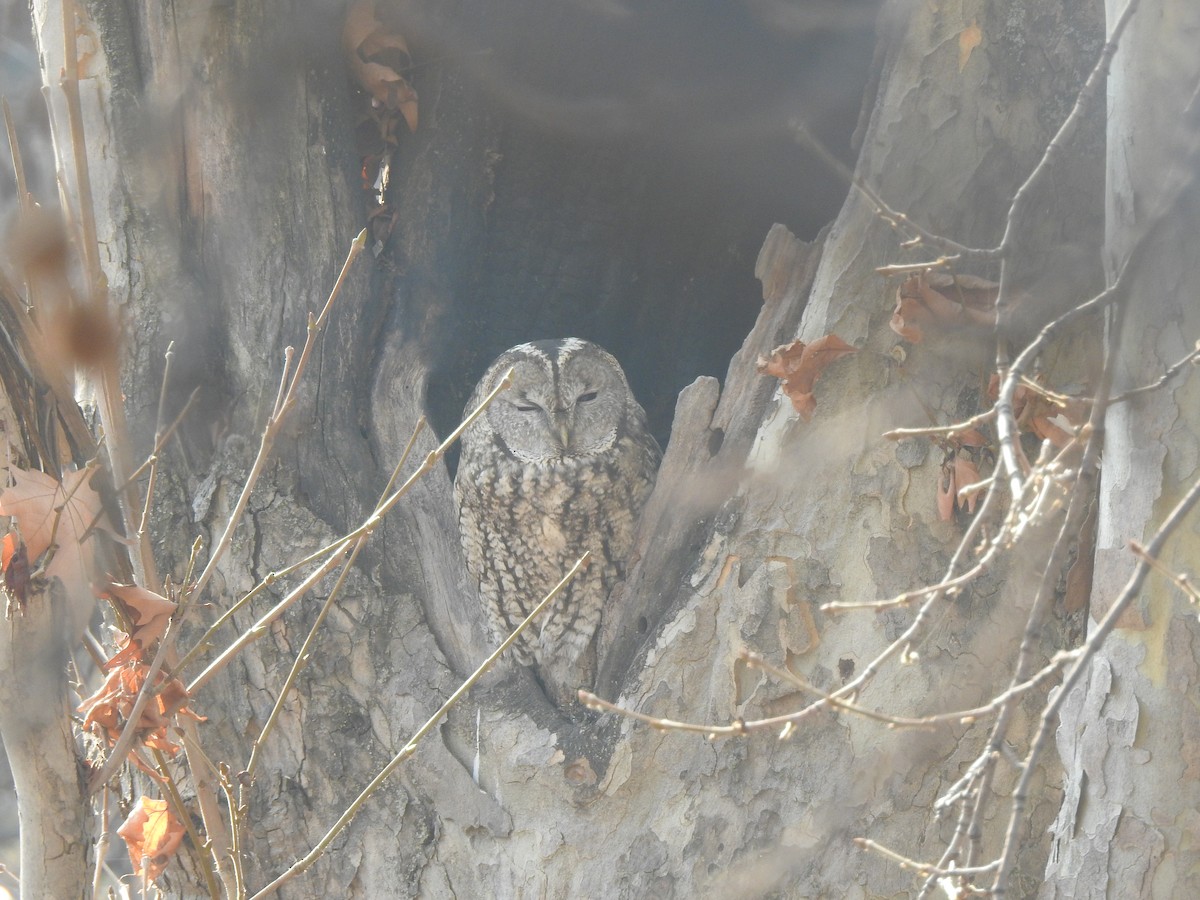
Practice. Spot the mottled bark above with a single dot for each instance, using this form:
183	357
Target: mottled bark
1129	734
227	186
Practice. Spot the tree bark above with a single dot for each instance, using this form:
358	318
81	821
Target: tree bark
227	185
1128	736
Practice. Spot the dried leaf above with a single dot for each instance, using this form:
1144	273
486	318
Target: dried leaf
947	493
941	301
39	246
152	835
82	336
107	710
907	318
968	39
1046	430
971	438
799	365
46	511
966	473
376	56
14	558
148	613
1050	420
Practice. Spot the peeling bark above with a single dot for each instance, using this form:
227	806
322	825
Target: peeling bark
228	195
1128	736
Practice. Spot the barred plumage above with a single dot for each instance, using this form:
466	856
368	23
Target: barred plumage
560	463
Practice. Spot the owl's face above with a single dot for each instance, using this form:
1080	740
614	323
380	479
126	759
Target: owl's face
568	399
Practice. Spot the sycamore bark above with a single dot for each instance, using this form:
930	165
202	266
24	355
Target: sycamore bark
219	138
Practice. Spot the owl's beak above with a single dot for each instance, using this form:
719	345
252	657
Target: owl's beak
562	426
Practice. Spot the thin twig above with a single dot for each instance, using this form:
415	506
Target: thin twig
14	149
259	628
103	841
153	460
941	262
949	586
1181	581
206	853
108	383
148	690
897	434
1131	590
957	717
302	655
283	404
165	436
1024	196
411	747
898	220
236	823
1082	496
922	868
1173	370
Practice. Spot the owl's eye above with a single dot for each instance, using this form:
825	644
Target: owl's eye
526	407
588	397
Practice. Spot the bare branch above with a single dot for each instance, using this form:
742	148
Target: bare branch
283	405
1050	714
410	748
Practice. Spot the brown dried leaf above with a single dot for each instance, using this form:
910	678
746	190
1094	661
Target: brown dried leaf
82	336
970	438
970	290
14	559
152	835
941	301
968	39
908	317
966	473
947	493
107	710
39	246
45	511
799	365
148	613
376	56
1047	430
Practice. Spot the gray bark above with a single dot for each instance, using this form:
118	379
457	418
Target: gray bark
35	721
227	193
1128	736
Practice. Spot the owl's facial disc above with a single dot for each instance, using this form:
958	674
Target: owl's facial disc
561	405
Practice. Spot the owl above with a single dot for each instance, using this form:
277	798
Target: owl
559	463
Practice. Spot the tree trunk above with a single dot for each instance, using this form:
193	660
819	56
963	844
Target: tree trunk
228	189
1128	737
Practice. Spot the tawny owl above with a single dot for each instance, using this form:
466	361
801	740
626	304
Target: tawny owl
561	462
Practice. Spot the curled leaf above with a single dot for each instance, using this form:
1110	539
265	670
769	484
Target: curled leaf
107	710
799	365
148	614
959	485
377	55
1048	429
1048	416
152	835
909	318
14	559
939	301
972	437
63	515
947	492
966	474
968	39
